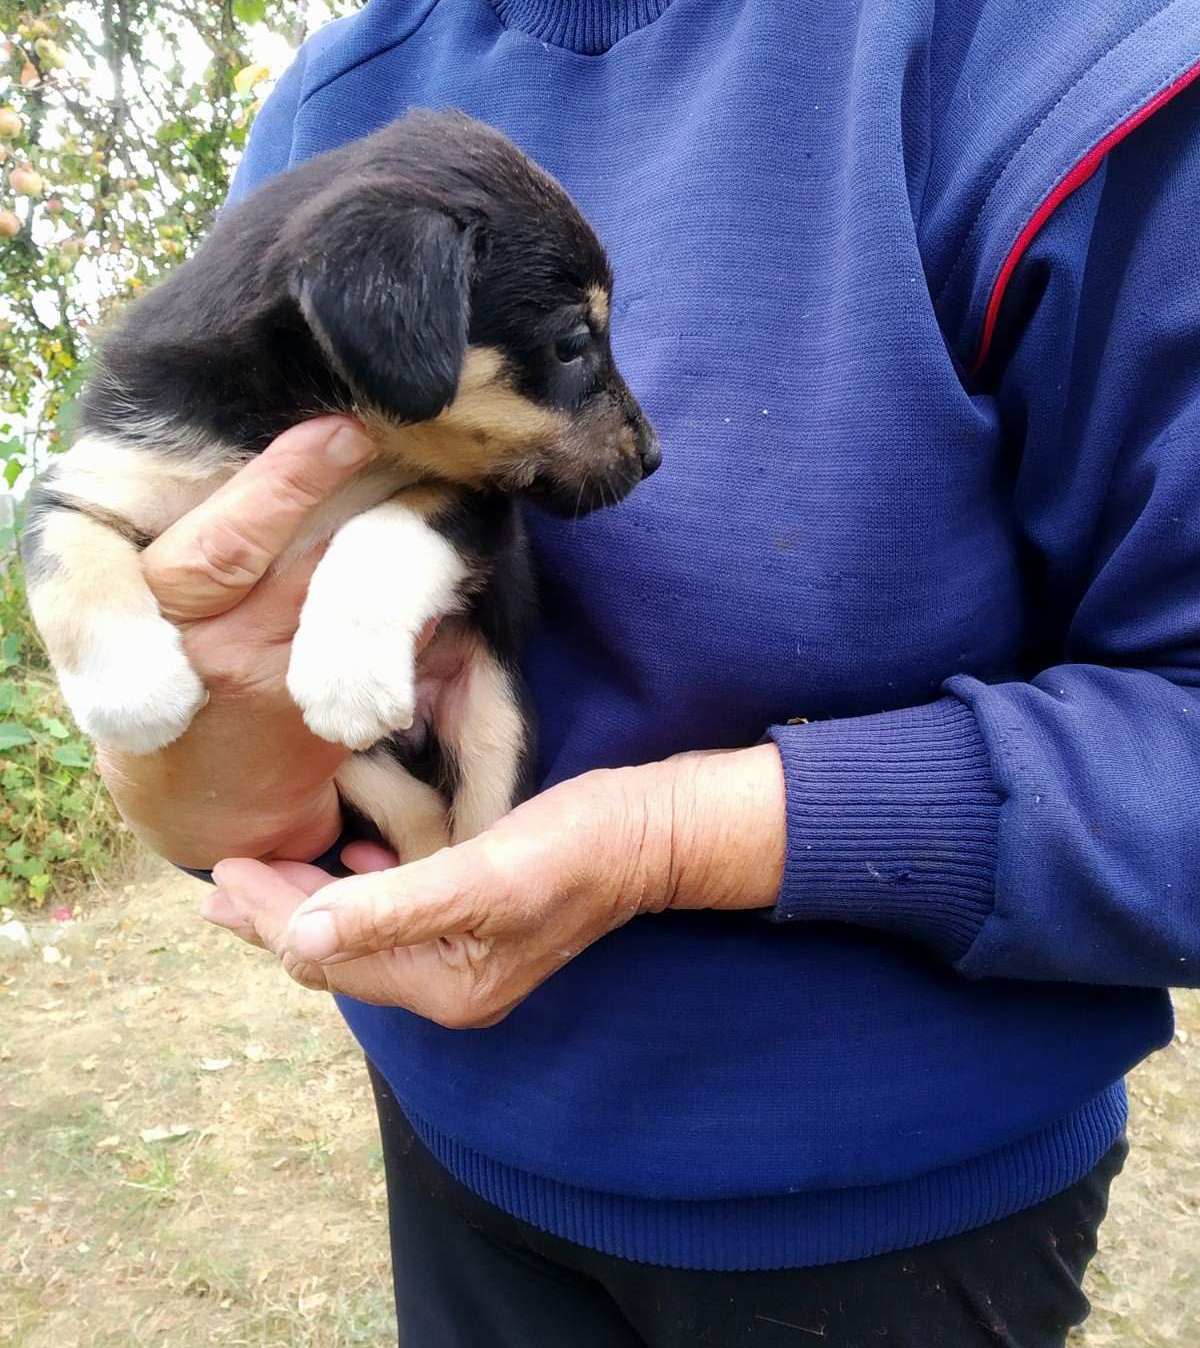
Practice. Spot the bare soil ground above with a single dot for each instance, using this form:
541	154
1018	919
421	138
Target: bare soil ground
188	1153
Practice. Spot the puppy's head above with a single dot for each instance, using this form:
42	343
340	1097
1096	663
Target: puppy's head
464	301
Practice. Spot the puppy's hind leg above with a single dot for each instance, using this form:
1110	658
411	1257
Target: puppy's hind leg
411	815
481	725
121	665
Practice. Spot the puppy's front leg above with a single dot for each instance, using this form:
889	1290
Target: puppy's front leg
386	573
121	665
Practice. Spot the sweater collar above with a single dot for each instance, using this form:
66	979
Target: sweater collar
585	26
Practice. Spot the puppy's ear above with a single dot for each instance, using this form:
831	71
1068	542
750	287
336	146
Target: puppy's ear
387	296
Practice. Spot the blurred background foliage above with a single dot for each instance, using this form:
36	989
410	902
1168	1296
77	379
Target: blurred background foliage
120	124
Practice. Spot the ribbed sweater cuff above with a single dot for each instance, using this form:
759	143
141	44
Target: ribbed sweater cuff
892	824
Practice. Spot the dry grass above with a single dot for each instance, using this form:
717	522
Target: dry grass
262	1225
1145	1282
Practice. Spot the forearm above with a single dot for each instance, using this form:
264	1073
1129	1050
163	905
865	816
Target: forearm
728	828
488	920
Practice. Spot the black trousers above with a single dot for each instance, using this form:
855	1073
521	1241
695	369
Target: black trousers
469	1276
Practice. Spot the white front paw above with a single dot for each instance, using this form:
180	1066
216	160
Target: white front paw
136	691
352	680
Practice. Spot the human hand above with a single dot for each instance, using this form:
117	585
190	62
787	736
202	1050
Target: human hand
464	936
247	776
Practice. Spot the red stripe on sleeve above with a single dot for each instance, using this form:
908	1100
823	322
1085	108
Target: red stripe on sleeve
1075	179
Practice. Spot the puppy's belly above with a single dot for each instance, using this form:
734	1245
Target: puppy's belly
469	733
407	783
443	673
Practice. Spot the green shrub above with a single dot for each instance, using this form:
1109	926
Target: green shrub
58	828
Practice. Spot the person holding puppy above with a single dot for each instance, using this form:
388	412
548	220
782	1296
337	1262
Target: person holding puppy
798	1001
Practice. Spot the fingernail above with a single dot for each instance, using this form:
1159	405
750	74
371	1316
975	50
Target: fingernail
312	936
348	446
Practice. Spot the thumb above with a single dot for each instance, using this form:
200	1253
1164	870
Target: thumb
446	894
210	558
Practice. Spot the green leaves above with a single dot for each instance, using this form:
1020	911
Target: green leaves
13	735
126	193
89	239
250	11
12	455
10	650
57	827
73	756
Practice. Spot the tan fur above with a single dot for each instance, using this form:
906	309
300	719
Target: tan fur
384	481
428	500
122	667
149	490
488	429
485	732
97	580
410	814
598	308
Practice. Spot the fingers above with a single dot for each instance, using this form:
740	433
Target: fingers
212	557
364	857
221	910
305	877
439	896
251	894
256	901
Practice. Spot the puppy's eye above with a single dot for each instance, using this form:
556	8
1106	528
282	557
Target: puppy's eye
569	349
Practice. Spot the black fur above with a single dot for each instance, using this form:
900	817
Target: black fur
356	283
358	278
427	259
487	528
424	756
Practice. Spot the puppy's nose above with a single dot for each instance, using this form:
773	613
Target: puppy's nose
649	451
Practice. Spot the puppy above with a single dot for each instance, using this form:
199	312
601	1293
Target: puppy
434	283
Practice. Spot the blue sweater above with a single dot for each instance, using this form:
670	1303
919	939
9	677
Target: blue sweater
908	289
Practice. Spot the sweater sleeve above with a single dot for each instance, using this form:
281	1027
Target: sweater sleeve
1050	828
269	148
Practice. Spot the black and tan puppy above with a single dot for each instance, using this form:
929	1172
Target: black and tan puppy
434	283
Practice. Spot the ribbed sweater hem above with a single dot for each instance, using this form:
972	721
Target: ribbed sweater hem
801	1229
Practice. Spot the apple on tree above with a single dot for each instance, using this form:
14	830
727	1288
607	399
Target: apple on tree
26	181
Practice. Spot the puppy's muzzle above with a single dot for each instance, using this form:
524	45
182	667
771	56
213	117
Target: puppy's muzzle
645	442
649	451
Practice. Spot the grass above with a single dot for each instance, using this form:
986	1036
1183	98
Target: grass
1145	1283
188	1154
261	1223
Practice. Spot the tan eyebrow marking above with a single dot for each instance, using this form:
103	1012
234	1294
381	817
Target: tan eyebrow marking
598	307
